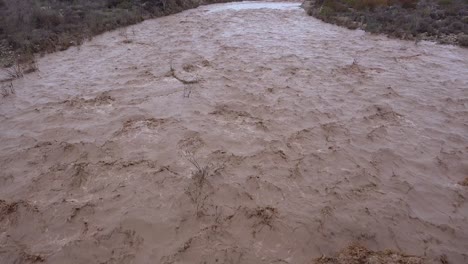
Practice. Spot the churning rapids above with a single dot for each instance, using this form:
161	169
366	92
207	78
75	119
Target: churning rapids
236	133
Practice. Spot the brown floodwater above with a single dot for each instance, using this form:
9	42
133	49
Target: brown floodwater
236	133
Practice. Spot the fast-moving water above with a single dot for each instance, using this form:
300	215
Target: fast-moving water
236	133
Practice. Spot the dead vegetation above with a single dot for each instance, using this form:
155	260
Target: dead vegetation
123	33
356	254
32	258
7	208
78	209
29	27
264	216
80	174
102	99
19	68
14	72
442	20
464	182
174	74
197	190
7	90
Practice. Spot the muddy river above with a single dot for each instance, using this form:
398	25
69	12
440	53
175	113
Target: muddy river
236	133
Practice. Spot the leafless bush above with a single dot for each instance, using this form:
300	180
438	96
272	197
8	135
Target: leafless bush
264	216
198	189
30	66
14	72
7	90
123	33
23	65
199	178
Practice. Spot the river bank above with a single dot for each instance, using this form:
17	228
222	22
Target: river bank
29	28
443	21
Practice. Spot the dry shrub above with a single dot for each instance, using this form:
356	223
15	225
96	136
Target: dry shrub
51	25
23	65
370	4
408	3
442	20
445	2
14	72
464	182
7	90
46	18
199	188
263	215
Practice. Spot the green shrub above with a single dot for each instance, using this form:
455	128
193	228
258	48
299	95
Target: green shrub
409	3
46	18
335	5
369	4
326	11
445	2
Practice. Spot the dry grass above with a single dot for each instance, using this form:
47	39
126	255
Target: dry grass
198	189
442	20
29	27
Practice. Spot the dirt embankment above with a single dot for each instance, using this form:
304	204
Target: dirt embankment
444	21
